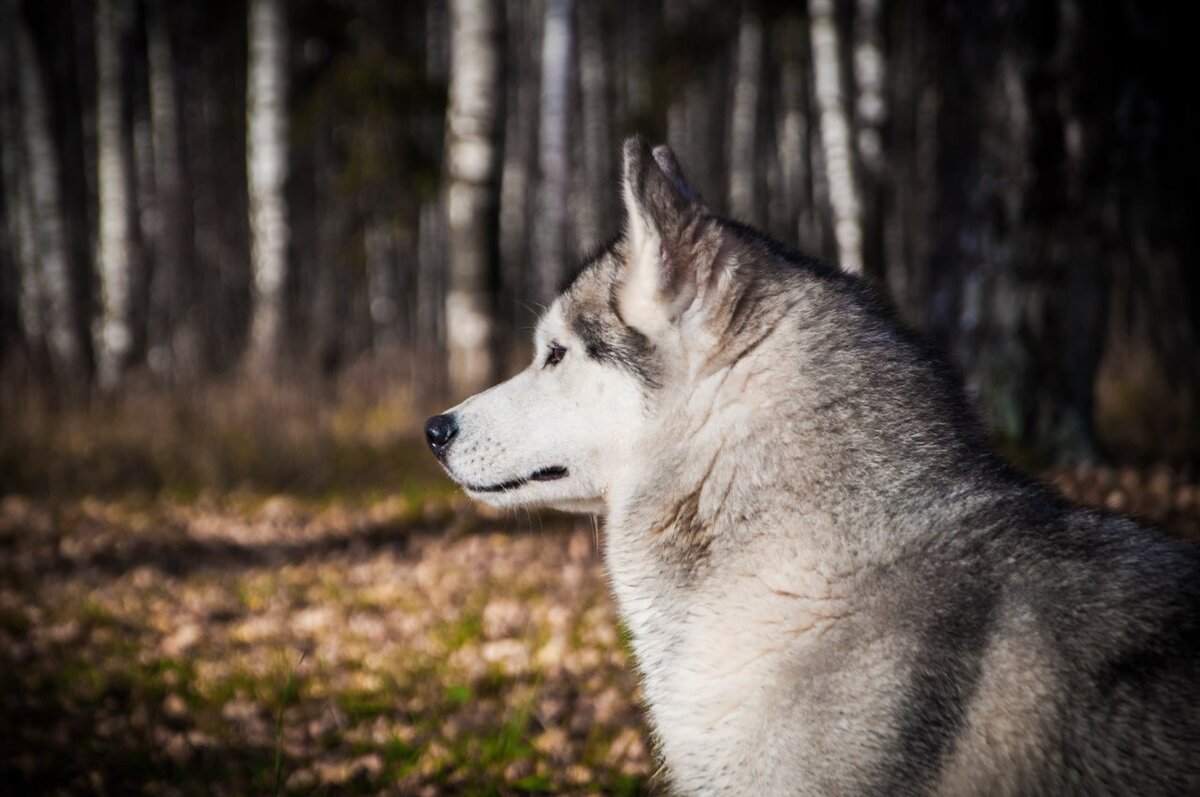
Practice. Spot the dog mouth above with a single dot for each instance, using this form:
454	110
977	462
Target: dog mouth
549	474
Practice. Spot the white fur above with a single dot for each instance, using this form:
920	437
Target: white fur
640	295
724	659
577	414
712	659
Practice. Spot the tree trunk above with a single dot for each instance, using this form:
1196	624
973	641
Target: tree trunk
635	40
119	259
136	88
172	326
519	175
266	164
912	144
870	113
598	181
382	249
697	31
16	232
554	171
21	244
836	136
431	279
65	343
472	154
10	325
795	216
745	198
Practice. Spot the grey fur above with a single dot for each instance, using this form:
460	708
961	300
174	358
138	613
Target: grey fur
833	586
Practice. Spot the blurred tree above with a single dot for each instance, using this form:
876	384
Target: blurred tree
870	114
474	125
120	258
836	134
1025	196
48	280
793	212
745	192
518	197
554	172
16	235
173	330
1018	279
596	178
266	160
23	301
693	88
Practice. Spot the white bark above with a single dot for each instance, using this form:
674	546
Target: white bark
47	213
266	165
553	148
114	332
743	135
871	104
836	140
471	200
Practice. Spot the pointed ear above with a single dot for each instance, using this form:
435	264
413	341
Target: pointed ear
664	217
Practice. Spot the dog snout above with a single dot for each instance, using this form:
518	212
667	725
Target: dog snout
439	432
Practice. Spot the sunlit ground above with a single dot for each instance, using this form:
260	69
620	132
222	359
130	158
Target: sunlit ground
330	641
254	646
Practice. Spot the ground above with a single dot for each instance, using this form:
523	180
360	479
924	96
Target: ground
236	643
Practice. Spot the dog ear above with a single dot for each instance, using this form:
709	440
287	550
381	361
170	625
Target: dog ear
665	223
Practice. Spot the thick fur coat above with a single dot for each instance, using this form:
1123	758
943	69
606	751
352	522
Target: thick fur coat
832	586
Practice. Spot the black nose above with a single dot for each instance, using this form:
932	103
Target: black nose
439	431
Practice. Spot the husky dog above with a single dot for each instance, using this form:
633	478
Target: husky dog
831	585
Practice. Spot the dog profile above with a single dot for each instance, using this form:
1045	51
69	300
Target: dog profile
831	584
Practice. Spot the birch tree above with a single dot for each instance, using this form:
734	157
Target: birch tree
870	113
744	198
871	101
553	149
266	166
836	137
65	343
472	120
119	256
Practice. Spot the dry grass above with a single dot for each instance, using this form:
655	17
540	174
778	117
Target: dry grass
158	647
302	437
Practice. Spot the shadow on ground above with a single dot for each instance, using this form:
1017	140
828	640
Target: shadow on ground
240	644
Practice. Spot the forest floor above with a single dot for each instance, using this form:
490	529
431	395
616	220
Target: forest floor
248	643
261	646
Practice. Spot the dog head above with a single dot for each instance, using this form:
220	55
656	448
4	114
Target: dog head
637	325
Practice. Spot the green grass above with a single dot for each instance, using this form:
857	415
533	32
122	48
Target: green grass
289	694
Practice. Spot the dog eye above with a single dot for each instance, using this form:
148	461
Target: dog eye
555	355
